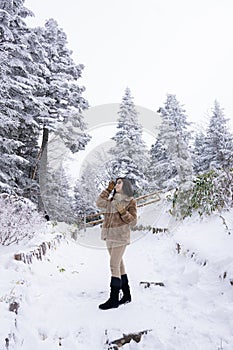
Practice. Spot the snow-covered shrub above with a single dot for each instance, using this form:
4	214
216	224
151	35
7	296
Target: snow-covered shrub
180	199
19	219
212	191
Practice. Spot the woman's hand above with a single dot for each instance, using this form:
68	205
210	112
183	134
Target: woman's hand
121	208
111	186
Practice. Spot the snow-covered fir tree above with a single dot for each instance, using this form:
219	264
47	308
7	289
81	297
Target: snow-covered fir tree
175	137
161	170
57	196
130	155
61	94
39	91
199	163
218	144
19	131
85	194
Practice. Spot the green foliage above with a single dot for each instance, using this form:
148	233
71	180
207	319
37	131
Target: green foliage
180	203
211	191
61	269
205	198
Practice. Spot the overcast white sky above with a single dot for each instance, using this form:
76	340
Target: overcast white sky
155	47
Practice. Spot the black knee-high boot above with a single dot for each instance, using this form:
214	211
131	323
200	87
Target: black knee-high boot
113	301
125	289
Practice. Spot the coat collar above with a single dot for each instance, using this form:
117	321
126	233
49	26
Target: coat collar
118	197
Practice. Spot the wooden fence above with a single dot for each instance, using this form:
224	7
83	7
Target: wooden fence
153	197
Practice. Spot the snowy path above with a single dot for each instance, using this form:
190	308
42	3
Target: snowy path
60	298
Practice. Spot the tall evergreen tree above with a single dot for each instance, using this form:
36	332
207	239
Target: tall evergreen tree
39	91
175	136
199	163
57	196
161	171
60	94
130	155
218	143
19	131
85	194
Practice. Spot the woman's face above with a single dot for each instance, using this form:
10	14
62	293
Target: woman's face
118	186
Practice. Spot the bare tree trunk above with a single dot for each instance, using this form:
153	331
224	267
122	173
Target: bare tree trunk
43	161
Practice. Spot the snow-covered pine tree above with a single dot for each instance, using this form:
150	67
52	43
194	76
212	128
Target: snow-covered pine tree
80	204
161	171
61	94
130	155
218	150
19	131
85	194
199	164
175	136
57	197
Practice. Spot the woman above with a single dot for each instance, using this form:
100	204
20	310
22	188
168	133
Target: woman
120	213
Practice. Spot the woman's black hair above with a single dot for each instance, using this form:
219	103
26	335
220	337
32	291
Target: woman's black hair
127	187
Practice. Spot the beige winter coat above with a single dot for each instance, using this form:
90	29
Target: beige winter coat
116	227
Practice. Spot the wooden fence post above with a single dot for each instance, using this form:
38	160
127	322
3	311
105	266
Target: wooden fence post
85	221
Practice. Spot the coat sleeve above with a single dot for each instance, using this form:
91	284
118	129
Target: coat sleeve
130	217
102	200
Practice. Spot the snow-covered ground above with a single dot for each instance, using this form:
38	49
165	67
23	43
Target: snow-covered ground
59	296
